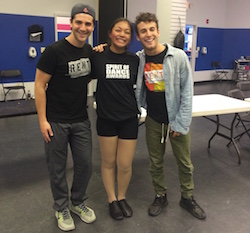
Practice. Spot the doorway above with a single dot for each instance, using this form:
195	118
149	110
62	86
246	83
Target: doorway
190	45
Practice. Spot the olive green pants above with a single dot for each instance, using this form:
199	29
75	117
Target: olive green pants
181	150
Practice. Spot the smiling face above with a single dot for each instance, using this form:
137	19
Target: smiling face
148	34
120	36
81	27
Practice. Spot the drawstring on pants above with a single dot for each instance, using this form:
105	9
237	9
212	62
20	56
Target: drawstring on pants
164	133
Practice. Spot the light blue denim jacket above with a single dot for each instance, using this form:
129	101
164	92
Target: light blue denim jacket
178	88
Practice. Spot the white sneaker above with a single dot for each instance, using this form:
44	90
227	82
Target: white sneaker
64	220
86	214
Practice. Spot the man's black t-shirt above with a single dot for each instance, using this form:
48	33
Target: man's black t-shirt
70	68
154	81
116	74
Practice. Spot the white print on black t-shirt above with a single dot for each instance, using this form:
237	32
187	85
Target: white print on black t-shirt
154	76
117	71
79	68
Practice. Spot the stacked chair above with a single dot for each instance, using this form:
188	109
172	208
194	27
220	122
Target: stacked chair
243	118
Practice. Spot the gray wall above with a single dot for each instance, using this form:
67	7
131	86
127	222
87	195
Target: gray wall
41	7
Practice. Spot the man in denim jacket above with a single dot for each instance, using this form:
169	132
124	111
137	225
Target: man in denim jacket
165	89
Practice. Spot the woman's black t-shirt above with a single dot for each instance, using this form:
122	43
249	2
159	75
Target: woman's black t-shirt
116	74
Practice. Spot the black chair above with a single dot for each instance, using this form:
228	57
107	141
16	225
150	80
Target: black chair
243	118
12	80
220	73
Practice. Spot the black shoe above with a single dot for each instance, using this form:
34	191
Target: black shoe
156	207
115	211
191	205
125	208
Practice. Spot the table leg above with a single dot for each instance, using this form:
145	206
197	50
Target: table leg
231	138
246	130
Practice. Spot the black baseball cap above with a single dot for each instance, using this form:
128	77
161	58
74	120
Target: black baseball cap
81	8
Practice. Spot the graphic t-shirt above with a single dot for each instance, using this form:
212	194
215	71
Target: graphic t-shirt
154	81
116	74
70	68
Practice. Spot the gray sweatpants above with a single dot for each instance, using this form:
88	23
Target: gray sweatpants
78	136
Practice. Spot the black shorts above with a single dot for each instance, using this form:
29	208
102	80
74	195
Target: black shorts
127	129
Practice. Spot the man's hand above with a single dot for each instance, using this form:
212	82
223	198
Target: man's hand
100	48
46	131
175	134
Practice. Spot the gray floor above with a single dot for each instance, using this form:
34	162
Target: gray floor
222	186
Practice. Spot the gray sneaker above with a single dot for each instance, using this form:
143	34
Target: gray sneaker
64	220
86	214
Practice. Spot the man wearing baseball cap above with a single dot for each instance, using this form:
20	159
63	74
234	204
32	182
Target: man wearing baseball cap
62	74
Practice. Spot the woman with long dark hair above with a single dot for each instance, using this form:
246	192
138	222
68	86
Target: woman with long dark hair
117	122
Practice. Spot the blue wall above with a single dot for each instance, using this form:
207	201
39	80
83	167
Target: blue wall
135	45
236	44
224	45
14	42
